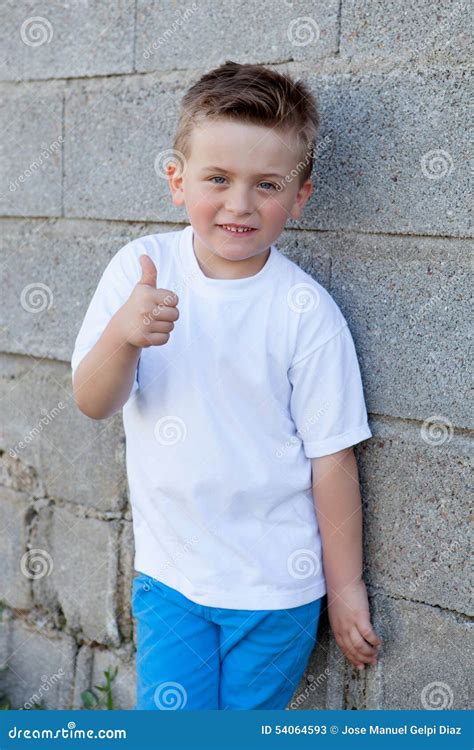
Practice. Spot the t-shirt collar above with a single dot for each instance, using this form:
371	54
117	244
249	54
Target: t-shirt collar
202	284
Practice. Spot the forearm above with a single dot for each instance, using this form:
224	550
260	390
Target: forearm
338	508
104	378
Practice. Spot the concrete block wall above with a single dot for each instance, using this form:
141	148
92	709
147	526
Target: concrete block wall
89	94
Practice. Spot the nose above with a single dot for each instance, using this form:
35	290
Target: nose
239	201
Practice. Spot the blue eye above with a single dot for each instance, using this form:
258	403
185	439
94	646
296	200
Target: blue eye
220	177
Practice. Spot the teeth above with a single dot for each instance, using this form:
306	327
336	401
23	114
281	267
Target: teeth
234	229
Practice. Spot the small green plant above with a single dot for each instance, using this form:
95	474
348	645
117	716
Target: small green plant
92	702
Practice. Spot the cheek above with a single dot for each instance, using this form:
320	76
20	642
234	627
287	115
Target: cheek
201	200
275	211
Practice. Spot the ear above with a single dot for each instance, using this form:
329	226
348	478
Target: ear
300	199
175	183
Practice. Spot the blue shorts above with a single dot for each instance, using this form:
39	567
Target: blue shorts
193	657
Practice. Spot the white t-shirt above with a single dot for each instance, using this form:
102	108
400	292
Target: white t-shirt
259	375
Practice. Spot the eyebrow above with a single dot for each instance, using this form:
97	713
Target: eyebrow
227	171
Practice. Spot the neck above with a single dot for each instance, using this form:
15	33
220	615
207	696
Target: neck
215	267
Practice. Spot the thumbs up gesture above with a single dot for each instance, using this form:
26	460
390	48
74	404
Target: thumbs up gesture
147	318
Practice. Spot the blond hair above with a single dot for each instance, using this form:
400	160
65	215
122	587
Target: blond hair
256	95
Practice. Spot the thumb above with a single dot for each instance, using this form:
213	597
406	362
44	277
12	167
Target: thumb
149	271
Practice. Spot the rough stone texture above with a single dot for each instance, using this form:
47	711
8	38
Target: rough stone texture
31	150
212	32
123	686
407	301
15	588
91	664
42	427
82	676
113	174
63	262
58	40
415	520
378	172
40	666
405	32
126	572
82	575
424	659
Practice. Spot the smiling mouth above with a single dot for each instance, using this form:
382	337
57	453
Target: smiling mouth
237	229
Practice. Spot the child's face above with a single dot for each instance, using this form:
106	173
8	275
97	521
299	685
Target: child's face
231	177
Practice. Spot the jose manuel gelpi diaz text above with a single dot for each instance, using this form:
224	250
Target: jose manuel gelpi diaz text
404	729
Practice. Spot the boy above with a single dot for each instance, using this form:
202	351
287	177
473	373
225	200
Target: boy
240	411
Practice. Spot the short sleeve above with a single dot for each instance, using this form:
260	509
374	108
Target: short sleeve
327	399
113	290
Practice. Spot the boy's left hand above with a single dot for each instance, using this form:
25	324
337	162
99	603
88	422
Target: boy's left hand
348	612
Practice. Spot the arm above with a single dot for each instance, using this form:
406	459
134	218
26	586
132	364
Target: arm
338	508
104	378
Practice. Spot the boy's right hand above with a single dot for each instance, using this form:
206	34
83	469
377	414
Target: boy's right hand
148	316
